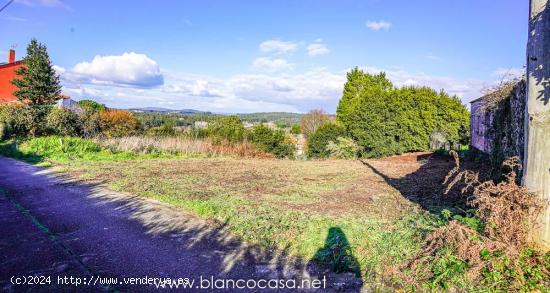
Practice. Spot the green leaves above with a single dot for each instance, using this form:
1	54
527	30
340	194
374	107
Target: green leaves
319	140
385	120
38	83
271	141
226	129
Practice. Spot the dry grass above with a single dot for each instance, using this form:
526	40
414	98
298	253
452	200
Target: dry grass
509	210
181	145
493	255
324	187
495	94
284	203
464	242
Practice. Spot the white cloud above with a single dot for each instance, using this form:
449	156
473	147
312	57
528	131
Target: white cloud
129	69
434	57
410	82
466	89
317	49
278	46
270	91
14	18
271	64
195	86
47	3
378	25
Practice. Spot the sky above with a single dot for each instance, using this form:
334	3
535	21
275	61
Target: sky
266	56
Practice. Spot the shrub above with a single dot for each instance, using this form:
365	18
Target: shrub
319	140
386	120
91	124
55	146
179	145
296	129
167	129
64	122
226	129
343	148
15	120
271	141
509	211
91	106
491	247
312	121
3	131
116	123
38	116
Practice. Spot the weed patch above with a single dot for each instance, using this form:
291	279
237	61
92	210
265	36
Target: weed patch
491	245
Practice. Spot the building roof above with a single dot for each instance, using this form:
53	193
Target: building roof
6	65
478	99
503	90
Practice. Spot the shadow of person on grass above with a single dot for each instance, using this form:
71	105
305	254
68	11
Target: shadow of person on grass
337	255
146	237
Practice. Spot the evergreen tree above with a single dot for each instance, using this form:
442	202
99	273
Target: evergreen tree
385	120
38	83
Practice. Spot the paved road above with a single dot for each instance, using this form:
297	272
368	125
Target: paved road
50	226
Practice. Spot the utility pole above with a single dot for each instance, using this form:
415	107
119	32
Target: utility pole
536	172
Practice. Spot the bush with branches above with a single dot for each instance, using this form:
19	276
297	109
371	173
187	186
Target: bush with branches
312	121
342	148
63	122
498	252
91	106
226	129
271	141
117	123
15	120
296	129
317	143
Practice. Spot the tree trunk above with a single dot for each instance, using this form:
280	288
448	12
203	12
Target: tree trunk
536	176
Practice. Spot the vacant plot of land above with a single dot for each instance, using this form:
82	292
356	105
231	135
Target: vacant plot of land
380	206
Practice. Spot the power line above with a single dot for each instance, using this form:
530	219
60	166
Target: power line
7	4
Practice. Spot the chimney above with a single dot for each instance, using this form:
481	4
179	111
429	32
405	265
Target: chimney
11	56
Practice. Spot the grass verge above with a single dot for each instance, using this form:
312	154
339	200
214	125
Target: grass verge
369	221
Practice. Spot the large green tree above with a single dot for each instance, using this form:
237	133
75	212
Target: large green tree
385	120
38	83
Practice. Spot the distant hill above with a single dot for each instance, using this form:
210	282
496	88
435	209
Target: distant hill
156	116
166	111
283	118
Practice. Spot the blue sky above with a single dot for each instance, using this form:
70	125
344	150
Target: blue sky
248	56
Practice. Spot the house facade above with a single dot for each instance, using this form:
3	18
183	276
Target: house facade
66	102
7	74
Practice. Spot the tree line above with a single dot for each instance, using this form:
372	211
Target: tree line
382	119
374	118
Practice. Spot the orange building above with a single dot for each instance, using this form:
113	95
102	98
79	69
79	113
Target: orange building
7	74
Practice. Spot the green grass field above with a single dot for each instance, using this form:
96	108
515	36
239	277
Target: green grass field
376	205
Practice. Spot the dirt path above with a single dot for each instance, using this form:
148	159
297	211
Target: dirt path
52	227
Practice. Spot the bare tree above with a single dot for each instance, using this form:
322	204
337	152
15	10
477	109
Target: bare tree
536	176
313	120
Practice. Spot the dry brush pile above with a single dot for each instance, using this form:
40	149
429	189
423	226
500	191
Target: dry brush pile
182	145
501	253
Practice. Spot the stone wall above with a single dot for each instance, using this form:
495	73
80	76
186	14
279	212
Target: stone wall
497	127
480	121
